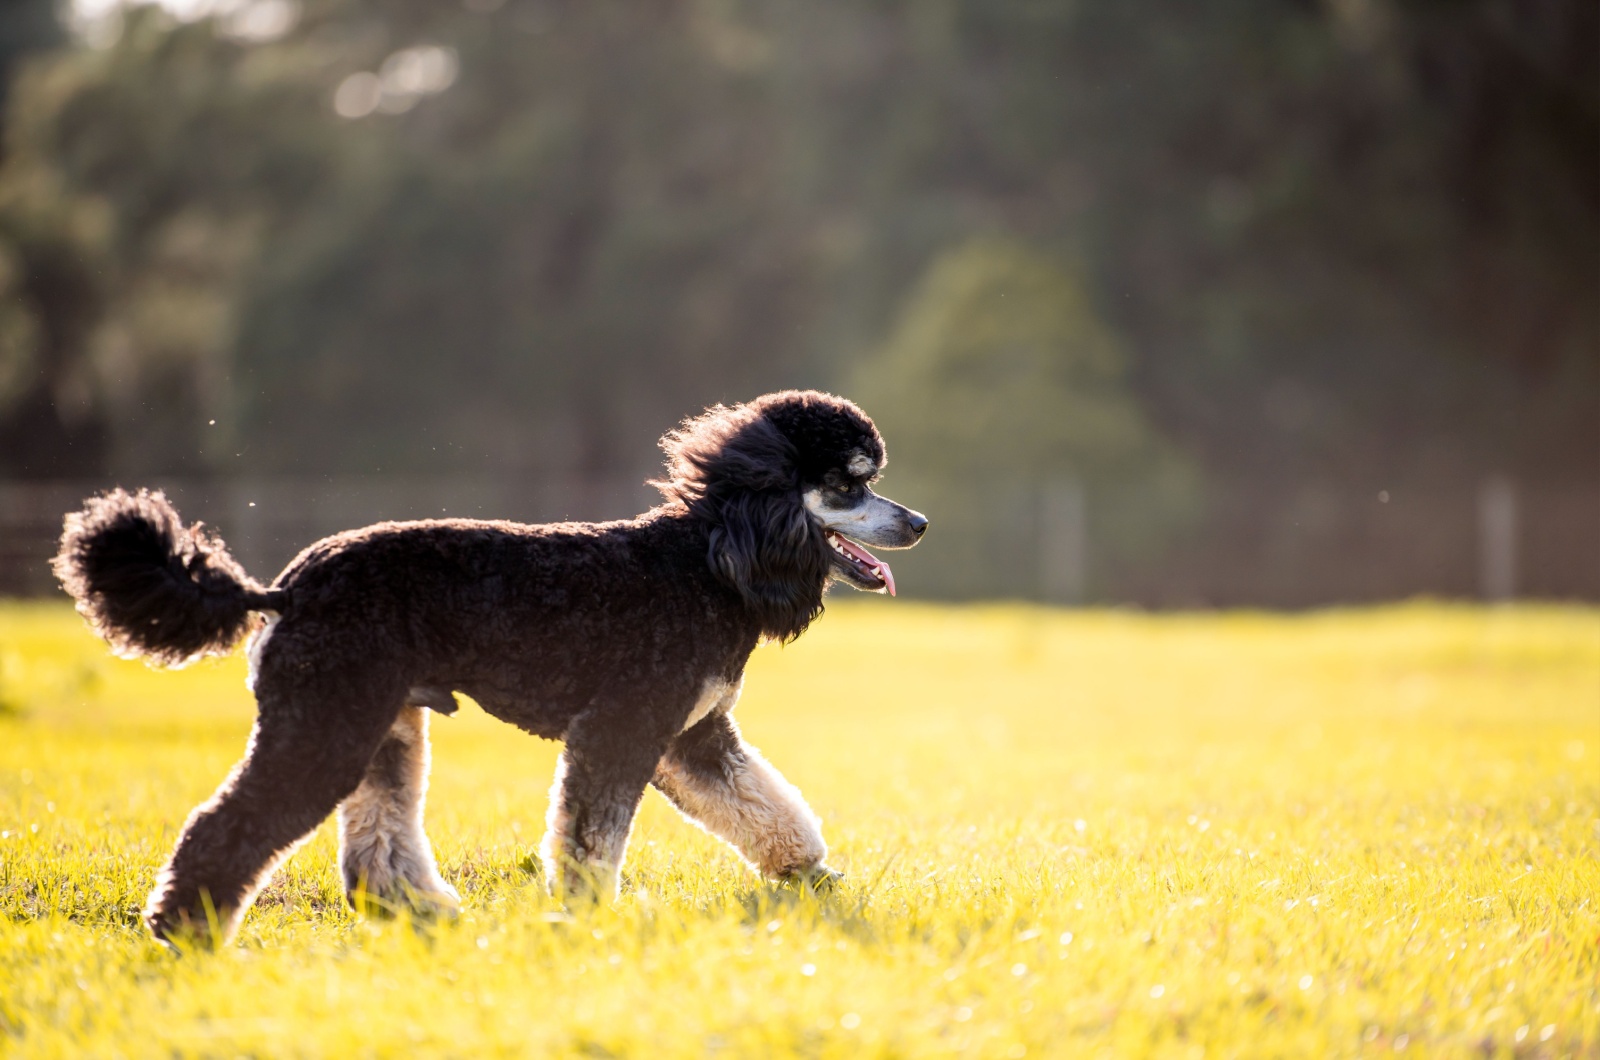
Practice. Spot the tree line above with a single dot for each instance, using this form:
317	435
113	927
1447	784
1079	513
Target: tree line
1155	247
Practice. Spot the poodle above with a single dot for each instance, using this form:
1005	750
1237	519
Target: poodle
625	640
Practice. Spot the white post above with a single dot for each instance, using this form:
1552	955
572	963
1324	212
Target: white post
1063	541
1497	539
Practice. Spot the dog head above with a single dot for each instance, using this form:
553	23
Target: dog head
785	482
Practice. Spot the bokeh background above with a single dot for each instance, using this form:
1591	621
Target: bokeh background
1251	302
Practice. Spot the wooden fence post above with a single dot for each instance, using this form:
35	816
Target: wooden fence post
1063	541
1497	539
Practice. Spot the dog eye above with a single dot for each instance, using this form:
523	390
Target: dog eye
845	487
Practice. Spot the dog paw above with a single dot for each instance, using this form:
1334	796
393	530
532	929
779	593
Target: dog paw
819	879
589	884
180	931
435	901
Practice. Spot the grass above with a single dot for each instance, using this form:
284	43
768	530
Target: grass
1067	834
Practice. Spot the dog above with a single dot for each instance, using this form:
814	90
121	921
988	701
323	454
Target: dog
626	640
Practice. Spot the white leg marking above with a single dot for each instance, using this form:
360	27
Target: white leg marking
716	695
381	841
752	807
553	848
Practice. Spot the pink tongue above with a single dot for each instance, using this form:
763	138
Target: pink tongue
870	560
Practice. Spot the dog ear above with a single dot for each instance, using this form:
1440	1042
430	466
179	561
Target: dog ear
734	469
767	547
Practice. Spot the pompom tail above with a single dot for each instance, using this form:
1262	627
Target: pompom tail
150	586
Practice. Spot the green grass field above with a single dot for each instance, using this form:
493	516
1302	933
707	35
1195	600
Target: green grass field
1067	834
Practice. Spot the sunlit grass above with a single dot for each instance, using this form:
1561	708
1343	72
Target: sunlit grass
1066	834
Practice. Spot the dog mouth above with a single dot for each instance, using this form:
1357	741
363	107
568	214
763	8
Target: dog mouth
867	570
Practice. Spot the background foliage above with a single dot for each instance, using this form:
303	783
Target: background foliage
1262	242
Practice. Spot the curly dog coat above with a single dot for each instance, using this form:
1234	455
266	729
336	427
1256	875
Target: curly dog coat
626	640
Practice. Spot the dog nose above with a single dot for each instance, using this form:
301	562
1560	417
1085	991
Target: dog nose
919	523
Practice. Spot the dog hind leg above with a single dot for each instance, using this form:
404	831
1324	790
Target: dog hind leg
724	785
293	775
383	852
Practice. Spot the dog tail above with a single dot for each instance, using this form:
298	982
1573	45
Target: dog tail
152	587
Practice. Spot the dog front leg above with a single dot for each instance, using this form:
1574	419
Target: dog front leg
726	786
600	779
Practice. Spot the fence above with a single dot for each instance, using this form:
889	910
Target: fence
1318	544
1251	545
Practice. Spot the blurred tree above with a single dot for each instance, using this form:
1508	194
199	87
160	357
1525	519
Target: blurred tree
1000	383
1351	241
542	267
1358	240
178	174
51	424
25	26
48	296
1000	367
